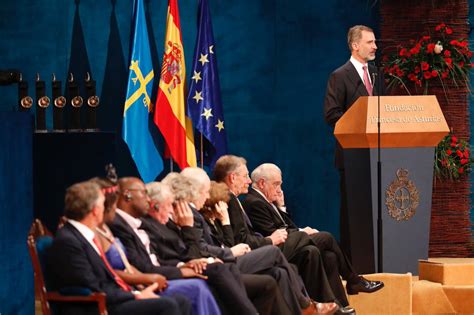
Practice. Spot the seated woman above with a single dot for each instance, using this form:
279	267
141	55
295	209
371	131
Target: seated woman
196	290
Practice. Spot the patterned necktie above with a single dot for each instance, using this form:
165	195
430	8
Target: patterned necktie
367	84
117	279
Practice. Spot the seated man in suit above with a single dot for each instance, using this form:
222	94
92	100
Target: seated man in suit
266	259
266	218
75	260
133	204
176	242
297	247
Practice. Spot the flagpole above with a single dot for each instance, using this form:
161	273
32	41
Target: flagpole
202	153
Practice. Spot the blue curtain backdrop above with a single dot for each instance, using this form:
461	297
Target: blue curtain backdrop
274	60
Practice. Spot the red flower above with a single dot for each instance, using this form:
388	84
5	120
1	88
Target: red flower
424	66
449	152
447	53
438	27
466	154
464	161
429	48
417	69
454	42
403	52
427	75
449	31
434	73
453	144
412	77
449	61
460	170
444	74
454	139
461	64
459	153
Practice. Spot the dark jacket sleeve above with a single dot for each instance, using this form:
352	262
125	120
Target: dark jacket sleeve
69	266
335	100
139	257
227	234
261	216
242	234
206	242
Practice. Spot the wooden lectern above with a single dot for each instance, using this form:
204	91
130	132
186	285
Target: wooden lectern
411	127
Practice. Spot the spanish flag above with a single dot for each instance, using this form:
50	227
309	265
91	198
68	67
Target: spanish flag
170	115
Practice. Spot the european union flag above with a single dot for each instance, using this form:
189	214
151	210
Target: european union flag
135	131
204	103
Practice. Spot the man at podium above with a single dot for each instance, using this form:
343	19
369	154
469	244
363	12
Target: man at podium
345	85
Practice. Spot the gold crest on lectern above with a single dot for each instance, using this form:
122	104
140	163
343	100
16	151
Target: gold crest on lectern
402	197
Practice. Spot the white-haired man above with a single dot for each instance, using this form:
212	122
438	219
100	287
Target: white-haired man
266	217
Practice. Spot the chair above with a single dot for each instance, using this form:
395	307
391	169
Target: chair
39	240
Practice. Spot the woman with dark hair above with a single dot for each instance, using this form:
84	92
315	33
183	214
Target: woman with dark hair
215	213
196	290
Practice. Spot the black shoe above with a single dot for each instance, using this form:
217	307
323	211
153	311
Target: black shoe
345	310
364	285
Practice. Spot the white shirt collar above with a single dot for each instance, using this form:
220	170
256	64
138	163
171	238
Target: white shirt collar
86	232
358	65
261	194
133	222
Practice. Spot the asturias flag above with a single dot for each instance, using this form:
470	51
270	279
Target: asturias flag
204	99
136	131
170	113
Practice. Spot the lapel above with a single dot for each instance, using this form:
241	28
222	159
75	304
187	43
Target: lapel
358	87
138	243
272	211
90	252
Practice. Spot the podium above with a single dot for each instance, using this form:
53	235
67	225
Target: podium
410	129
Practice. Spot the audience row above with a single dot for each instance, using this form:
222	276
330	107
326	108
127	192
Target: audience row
189	245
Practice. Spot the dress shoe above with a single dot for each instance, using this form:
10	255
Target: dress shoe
364	285
316	308
345	310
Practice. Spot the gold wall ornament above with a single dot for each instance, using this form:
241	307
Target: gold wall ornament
60	102
44	101
77	101
402	197
93	101
26	102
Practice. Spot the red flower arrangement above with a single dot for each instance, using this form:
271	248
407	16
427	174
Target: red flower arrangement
453	158
432	57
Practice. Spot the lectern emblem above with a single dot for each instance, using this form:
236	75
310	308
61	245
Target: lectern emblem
402	197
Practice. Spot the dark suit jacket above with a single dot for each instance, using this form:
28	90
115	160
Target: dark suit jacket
264	218
172	244
136	251
73	262
206	243
243	233
344	87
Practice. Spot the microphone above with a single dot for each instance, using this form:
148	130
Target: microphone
374	76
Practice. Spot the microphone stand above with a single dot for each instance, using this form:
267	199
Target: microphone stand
379	177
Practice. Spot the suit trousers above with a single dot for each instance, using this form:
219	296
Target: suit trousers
175	305
311	269
269	260
226	282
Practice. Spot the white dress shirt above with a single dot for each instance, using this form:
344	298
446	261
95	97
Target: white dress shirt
86	232
142	234
358	65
